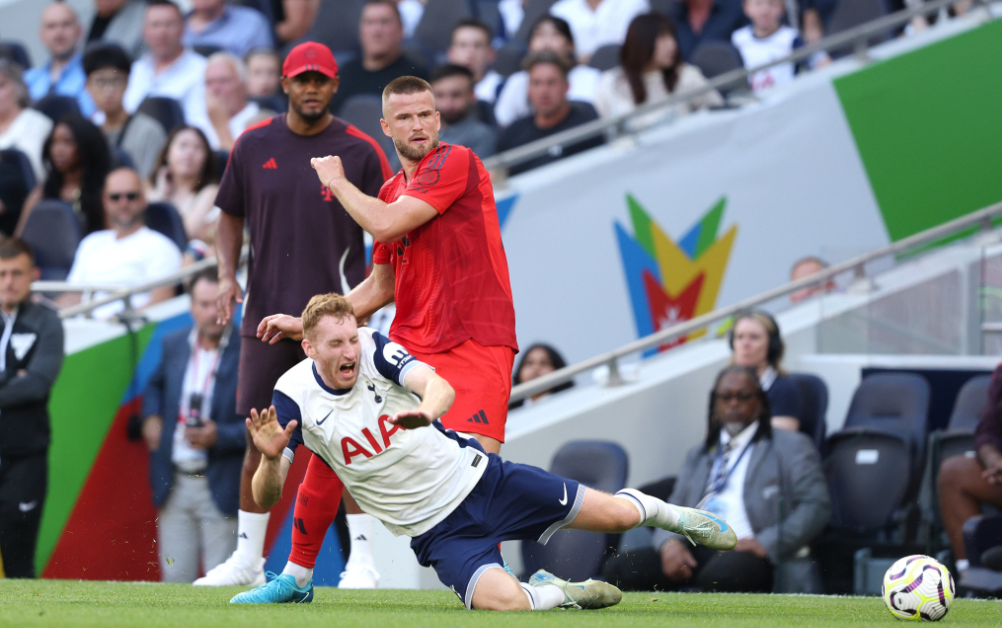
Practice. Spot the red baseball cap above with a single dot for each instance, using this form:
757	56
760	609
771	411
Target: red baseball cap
310	57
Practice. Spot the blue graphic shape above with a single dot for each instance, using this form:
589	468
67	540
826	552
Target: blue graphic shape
635	261
690	240
504	207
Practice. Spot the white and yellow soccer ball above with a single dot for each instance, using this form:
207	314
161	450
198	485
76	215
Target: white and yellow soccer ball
918	588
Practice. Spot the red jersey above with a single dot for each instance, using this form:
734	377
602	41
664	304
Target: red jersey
451	273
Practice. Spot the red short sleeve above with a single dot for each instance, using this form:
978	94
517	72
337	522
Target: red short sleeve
380	253
442	179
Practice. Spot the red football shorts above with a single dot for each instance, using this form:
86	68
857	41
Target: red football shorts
481	377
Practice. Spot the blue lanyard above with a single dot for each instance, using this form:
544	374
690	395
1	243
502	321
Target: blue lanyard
720	473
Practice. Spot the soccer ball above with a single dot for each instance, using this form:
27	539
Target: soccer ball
918	588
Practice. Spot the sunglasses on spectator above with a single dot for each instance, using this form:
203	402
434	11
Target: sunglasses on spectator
117	196
742	396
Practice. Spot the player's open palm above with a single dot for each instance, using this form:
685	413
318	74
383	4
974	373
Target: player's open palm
269	437
277	326
411	419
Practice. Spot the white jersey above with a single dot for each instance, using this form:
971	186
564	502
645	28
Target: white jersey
408	479
758	51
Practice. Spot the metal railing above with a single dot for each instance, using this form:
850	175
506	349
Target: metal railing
858	39
981	218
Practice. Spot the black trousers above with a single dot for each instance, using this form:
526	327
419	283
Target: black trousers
725	572
23	482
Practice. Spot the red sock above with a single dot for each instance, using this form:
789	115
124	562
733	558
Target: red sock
316	506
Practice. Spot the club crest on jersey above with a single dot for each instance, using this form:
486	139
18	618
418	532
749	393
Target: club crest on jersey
351	448
372	389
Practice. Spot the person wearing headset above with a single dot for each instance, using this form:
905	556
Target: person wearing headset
767	484
756	343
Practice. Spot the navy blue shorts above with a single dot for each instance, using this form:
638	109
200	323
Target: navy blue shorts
510	502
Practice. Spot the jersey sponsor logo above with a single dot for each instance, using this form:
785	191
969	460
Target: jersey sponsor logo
563	502
673	281
321	421
479	417
270	164
396	355
351	448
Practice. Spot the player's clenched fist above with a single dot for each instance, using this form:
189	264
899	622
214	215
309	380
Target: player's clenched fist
328	168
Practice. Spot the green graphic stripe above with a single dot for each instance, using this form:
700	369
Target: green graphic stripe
929	131
84	402
708	227
641	225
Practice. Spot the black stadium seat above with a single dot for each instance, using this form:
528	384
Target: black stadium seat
55	106
336	26
605	58
814	395
509	58
365	111
164	218
714	58
53	233
576	554
534	11
166	111
15	52
434	31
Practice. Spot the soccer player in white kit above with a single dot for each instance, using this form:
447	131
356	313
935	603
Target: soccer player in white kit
368	409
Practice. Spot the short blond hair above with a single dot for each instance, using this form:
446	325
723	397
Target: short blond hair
331	304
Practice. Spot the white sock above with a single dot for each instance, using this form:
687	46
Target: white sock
360	528
251	529
543	597
300	573
653	511
963	564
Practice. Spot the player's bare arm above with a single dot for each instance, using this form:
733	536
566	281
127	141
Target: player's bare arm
229	239
367	297
386	222
271	440
436	398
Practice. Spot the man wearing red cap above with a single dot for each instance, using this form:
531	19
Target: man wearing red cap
303	243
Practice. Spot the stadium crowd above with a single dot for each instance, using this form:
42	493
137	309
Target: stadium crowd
123	136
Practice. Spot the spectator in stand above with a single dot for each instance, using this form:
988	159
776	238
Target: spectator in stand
128	253
20	127
651	70
381	35
549	33
548	89
767	484
235	29
705	20
756	343
764	40
169	69
966	484
77	161
14	190
597	23
471	48
805	267
292	18
264	73
195	463
227	107
119	22
137	135
185	177
538	360
456	103
32	356
63	75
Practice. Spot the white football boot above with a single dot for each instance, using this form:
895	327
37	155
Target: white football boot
359	576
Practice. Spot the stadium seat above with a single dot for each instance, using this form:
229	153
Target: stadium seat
16	53
365	111
714	58
11	154
121	159
981	534
53	233
336	26
509	58
435	28
814	395
575	554
55	106
222	158
849	14
869	475
605	58
534	10
165	219
489	14
166	111
272	103
206	50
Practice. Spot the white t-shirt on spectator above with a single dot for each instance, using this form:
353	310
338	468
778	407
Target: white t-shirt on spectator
593	29
487	89
512	13
513	101
237	124
27	134
411	12
104	259
756	51
183	80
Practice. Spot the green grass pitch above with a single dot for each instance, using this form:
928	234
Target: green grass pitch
27	604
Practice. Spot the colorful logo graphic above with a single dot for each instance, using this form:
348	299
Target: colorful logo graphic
670	281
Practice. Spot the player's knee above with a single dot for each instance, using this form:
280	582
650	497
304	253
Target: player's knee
498	591
957	471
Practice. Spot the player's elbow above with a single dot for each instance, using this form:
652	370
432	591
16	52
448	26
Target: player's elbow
387	232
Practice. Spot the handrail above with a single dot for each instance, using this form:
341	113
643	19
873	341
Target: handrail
982	218
858	37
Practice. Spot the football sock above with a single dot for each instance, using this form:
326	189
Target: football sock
543	597
316	506
303	575
251	530
360	527
653	511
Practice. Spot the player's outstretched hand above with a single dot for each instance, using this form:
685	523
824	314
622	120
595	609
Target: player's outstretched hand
328	168
277	326
411	419
269	437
